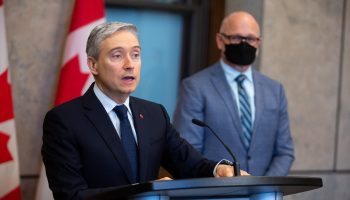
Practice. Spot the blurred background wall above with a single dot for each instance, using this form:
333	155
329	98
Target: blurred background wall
306	46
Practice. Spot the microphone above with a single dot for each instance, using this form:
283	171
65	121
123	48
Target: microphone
235	162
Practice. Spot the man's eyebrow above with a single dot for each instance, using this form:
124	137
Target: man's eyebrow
136	47
116	48
122	48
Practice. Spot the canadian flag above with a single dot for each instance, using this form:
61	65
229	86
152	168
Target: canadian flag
9	172
74	78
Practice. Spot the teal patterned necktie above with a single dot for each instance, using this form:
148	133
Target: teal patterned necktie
246	114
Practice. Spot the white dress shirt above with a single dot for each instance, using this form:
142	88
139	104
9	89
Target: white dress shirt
109	104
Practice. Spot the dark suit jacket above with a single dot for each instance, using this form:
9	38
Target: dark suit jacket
82	151
207	96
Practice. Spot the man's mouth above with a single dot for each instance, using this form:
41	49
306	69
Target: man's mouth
128	78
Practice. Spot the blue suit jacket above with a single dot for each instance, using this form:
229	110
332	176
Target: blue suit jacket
83	155
207	96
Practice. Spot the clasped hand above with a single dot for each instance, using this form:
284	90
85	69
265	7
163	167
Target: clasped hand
221	171
227	171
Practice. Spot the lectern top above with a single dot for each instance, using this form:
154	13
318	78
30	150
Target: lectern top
242	186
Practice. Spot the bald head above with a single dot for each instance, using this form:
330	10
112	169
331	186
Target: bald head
236	28
240	23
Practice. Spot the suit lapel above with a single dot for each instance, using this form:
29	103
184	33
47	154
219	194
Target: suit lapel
100	119
218	79
259	102
139	117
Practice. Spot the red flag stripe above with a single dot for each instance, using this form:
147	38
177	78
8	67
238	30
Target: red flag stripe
86	12
71	82
12	195
9	173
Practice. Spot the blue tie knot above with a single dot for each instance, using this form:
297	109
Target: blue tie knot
240	78
121	111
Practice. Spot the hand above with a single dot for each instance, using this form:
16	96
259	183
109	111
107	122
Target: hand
165	179
227	171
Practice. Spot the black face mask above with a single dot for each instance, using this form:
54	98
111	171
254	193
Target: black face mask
240	54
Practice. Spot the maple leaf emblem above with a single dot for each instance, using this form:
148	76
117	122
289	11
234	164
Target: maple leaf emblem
5	155
6	105
71	81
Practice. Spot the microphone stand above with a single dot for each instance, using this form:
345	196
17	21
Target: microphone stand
236	169
235	162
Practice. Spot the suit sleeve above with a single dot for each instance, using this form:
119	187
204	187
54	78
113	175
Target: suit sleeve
284	152
190	105
180	158
61	157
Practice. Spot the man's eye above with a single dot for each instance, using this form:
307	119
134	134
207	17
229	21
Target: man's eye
116	56
135	55
250	39
236	38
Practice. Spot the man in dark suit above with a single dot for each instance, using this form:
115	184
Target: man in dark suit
84	142
246	108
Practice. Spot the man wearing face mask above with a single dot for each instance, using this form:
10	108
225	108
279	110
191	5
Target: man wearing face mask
244	107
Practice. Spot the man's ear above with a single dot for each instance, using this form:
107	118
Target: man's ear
92	63
219	42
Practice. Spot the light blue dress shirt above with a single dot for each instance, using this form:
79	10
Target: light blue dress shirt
248	84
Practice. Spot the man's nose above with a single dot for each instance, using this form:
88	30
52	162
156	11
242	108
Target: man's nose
127	63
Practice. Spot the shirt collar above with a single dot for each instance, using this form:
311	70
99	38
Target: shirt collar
107	102
231	73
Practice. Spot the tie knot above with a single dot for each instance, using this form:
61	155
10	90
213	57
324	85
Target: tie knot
239	79
121	111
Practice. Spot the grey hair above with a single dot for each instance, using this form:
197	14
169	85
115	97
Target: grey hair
103	31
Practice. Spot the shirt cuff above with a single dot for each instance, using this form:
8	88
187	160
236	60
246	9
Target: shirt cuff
222	162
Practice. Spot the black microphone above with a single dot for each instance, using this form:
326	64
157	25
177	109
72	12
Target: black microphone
235	162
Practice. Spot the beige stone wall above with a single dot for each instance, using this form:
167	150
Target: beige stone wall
343	158
302	48
306	46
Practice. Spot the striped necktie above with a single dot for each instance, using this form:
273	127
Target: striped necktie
246	114
128	140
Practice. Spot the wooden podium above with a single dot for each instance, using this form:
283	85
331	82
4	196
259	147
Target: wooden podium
242	187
